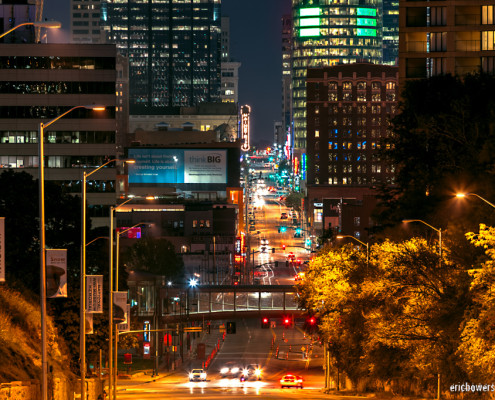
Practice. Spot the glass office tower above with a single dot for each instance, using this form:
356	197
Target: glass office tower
173	48
326	33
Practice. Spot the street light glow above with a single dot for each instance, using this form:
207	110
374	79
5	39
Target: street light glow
193	282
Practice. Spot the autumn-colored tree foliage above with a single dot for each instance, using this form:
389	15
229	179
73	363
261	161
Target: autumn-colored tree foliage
395	320
477	348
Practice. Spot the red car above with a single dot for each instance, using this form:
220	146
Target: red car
290	380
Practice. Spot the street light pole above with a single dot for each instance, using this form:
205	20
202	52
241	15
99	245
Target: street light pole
44	24
363	243
461	195
439	230
115	374
41	162
82	328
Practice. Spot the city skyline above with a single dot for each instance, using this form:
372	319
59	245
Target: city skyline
260	73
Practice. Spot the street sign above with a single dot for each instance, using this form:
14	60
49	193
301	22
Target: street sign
193	329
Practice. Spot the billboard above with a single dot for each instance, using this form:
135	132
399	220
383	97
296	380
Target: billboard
177	166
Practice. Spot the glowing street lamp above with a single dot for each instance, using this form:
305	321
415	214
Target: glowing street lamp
41	24
462	195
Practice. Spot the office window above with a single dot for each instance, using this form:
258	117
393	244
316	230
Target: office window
487	40
487	15
438	41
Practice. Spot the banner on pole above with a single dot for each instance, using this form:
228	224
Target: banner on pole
126	325
94	293
2	249
89	324
119	307
56	273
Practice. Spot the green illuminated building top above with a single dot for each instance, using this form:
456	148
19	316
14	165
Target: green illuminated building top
326	33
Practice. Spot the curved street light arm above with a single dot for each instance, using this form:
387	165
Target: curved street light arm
419	220
481	198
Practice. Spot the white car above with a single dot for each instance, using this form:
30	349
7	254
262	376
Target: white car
197	375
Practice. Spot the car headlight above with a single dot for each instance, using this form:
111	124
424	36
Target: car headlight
245	372
191	376
203	375
224	370
257	372
234	370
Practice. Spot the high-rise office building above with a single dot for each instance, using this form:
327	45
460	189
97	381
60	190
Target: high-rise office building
229	68
438	37
173	47
85	21
39	82
390	32
286	80
13	13
328	33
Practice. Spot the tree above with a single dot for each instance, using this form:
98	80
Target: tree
442	141
156	256
294	200
477	347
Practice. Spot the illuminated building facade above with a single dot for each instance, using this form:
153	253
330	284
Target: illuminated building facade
348	108
390	32
286	79
229	68
39	82
438	37
85	21
326	33
173	47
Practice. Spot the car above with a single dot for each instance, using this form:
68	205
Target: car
290	380
264	241
197	374
299	276
263	249
252	371
291	256
252	228
230	370
283	216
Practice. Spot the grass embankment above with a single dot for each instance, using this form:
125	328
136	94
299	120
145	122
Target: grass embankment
20	339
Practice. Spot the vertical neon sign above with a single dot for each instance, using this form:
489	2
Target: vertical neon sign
245	112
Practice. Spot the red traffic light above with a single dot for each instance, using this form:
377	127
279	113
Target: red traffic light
286	320
265	320
312	320
283	246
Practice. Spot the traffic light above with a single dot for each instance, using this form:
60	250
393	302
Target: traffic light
283	246
230	327
286	321
265	323
283	229
298	231
273	249
312	321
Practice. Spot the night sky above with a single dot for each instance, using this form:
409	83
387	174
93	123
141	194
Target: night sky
255	35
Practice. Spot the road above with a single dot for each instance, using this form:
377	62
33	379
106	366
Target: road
249	345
